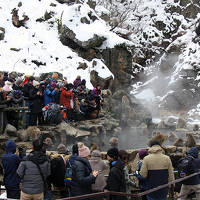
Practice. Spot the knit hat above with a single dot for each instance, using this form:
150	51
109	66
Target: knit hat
18	81
84	151
7	88
113	153
61	149
35	83
142	153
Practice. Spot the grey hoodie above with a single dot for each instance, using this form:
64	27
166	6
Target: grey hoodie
98	164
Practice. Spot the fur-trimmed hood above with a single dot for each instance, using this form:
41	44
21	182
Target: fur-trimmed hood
155	149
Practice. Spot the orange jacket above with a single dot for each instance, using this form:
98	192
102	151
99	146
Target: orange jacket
65	97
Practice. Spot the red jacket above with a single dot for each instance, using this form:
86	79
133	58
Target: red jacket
65	97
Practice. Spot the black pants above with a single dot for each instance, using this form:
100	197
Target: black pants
34	117
13	192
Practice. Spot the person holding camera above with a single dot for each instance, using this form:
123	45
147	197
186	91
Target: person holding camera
36	104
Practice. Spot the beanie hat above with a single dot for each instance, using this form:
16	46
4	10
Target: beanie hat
7	88
18	81
142	153
84	151
53	84
113	153
61	149
35	83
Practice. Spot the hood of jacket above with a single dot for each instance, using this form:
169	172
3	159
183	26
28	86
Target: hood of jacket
193	151
85	162
119	164
155	149
95	156
10	146
37	156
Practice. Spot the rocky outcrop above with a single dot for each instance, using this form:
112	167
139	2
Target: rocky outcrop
119	62
2	33
68	38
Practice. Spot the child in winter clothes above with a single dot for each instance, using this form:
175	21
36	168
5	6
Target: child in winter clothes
142	181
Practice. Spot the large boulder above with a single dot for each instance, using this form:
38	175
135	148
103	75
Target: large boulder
11	131
71	131
119	62
68	38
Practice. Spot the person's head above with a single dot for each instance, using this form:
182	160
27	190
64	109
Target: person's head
37	145
154	143
142	153
112	154
53	84
19	82
78	77
84	152
7	87
10	146
31	79
193	151
61	149
36	84
123	156
55	76
98	87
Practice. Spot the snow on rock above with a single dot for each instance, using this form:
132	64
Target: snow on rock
39	40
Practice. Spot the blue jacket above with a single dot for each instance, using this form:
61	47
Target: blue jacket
49	96
193	151
10	162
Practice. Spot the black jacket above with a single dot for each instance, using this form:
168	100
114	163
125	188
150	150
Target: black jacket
116	179
82	179
57	172
36	101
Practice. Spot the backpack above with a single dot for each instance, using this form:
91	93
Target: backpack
185	166
68	174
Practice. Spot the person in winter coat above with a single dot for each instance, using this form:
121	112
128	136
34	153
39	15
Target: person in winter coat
18	85
10	162
58	168
33	186
16	100
99	165
36	104
123	156
116	178
82	177
50	93
193	183
77	81
158	170
142	181
66	99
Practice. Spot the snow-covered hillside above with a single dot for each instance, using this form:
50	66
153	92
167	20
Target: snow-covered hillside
161	35
36	48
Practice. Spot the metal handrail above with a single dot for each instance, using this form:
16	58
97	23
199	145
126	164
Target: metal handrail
134	195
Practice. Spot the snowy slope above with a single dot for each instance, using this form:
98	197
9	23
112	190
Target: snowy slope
39	41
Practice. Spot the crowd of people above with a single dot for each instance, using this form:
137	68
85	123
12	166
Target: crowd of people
43	176
49	101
